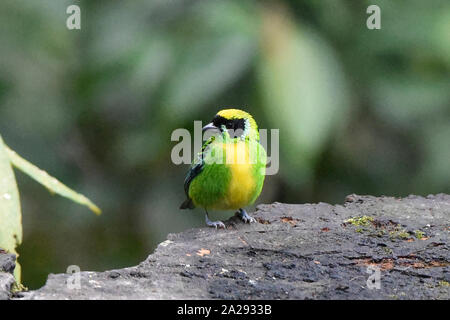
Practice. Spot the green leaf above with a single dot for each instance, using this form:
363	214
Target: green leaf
10	213
51	183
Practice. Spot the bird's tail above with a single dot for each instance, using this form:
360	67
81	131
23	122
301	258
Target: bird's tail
187	204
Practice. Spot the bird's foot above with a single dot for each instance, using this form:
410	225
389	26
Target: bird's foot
214	224
245	217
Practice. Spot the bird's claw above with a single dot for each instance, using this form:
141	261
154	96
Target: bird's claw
248	220
216	224
213	224
245	217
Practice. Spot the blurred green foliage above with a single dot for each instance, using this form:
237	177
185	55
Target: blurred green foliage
10	210
359	111
10	214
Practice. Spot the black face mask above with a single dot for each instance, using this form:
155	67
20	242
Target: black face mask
235	127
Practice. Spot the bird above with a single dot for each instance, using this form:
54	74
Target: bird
229	172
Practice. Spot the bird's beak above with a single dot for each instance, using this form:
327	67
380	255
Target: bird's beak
209	126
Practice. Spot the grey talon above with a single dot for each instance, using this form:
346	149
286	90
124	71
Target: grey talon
214	224
245	217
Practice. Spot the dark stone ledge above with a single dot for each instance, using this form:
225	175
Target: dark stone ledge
295	251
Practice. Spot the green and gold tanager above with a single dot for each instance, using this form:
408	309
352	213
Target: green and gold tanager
229	172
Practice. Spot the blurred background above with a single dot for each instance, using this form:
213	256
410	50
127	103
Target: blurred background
359	111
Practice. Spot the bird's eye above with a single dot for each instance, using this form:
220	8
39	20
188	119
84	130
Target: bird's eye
229	125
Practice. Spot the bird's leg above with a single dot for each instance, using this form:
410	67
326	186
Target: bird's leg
245	217
214	224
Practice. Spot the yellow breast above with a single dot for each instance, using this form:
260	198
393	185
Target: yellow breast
242	184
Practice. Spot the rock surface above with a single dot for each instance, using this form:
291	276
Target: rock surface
308	251
7	265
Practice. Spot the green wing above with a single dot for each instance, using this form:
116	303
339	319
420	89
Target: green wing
196	168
